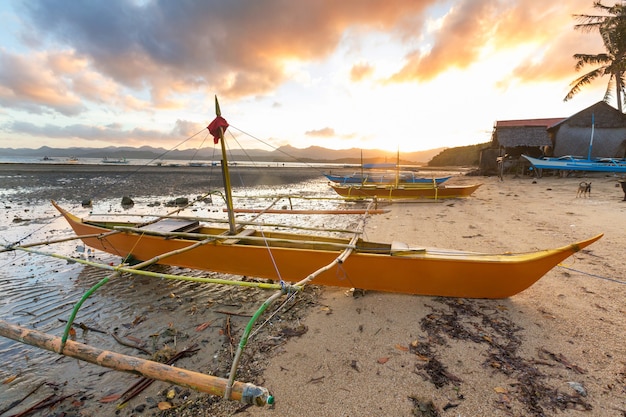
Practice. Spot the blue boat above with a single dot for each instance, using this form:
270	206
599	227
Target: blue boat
408	177
579	163
572	163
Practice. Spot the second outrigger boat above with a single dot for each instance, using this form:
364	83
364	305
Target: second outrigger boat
289	257
403	191
407	177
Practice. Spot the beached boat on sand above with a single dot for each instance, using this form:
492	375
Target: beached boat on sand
403	191
392	267
290	257
579	163
572	163
408	177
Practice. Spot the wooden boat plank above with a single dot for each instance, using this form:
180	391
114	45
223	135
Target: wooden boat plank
172	225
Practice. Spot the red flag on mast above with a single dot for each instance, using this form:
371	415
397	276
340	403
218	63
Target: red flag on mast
214	128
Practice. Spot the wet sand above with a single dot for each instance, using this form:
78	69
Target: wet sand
555	349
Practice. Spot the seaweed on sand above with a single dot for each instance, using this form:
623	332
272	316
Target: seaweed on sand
482	322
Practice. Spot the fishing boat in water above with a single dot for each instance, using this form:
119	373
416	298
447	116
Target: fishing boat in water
107	160
337	261
403	191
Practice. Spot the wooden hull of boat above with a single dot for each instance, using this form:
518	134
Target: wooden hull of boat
383	179
404	192
371	266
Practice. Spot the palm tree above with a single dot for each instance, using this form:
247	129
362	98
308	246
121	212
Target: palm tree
612	28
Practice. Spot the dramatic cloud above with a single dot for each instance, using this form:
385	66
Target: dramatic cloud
235	48
112	134
57	82
33	86
84	63
472	29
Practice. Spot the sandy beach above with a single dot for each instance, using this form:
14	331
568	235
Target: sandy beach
555	349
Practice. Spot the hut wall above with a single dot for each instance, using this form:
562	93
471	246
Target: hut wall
607	142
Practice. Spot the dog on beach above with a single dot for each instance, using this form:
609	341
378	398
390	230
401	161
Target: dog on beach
584	189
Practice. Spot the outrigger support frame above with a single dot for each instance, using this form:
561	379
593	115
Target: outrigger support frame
244	392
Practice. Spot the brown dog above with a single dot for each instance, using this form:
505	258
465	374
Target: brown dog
584	189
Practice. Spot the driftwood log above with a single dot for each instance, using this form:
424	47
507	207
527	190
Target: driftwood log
243	392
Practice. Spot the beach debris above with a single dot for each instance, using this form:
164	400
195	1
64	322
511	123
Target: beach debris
127	201
164	405
131	345
19	401
316	380
355	292
562	360
354	364
49	401
424	408
143	383
295	331
177	202
83	326
204	325
578	387
86	203
10	379
449	406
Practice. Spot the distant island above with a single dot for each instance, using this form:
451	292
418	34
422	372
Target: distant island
282	154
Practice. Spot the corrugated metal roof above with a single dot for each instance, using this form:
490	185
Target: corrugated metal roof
530	122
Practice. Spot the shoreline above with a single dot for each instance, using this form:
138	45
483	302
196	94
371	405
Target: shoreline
377	353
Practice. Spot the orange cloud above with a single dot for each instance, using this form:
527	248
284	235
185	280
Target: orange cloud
470	28
325	132
361	71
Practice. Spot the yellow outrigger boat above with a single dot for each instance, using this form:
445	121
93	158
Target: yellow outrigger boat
404	191
394	267
290	257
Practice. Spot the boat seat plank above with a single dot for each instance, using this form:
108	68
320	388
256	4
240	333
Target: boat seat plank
401	248
173	226
235	238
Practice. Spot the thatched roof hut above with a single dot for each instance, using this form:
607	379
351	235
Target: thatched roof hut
530	133
572	136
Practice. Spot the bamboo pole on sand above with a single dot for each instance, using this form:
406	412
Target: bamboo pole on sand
244	392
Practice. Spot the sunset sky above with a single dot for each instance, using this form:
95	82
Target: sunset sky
394	74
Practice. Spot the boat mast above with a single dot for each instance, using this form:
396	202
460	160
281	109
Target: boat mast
398	167
591	140
226	175
362	177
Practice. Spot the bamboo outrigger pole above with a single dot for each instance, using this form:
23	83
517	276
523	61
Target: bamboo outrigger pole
244	392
